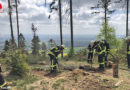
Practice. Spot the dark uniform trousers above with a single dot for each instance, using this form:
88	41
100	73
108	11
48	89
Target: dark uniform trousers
90	56
128	54
53	63
128	60
3	85
106	59
101	58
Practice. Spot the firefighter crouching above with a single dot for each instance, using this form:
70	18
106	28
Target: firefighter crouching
54	52
128	51
90	52
3	85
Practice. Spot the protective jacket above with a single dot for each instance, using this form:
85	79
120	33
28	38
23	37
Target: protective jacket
128	54
101	48
128	48
55	51
90	49
2	81
107	46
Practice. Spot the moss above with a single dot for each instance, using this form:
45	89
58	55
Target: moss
58	83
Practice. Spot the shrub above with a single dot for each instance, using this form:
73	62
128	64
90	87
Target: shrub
19	67
34	59
71	53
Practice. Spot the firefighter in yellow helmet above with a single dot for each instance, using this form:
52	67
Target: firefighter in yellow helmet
53	53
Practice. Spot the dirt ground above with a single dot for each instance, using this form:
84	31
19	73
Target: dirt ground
79	79
70	80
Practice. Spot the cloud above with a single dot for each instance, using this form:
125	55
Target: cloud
34	11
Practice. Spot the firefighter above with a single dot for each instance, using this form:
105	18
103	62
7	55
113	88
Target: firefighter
90	52
54	52
101	54
128	51
95	45
107	51
3	85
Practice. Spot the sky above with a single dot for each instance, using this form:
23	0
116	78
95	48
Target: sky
85	23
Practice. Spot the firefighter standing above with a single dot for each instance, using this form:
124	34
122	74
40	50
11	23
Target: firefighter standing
128	51
54	52
3	85
101	55
90	52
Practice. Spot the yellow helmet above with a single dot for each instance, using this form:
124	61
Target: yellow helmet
63	46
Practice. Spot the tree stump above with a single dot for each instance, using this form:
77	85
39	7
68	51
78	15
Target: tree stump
109	64
115	70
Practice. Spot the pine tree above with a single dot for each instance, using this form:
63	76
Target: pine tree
35	41
111	35
21	41
6	46
51	43
43	46
12	45
35	45
105	4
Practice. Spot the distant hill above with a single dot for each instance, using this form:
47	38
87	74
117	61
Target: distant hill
79	40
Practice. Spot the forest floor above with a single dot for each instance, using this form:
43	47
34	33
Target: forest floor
76	79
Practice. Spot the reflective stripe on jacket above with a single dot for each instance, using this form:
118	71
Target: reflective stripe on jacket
102	63
128	52
3	85
102	51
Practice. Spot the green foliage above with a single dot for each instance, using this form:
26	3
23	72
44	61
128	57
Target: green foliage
58	83
35	41
79	55
116	56
12	45
6	46
71	53
32	88
44	48
110	37
75	78
20	82
123	46
44	83
18	64
51	43
34	59
35	45
21	41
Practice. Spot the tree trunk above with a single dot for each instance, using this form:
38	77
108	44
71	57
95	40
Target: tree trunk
105	22
60	19
10	17
71	24
115	70
17	17
127	18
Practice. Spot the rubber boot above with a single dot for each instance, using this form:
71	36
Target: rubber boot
105	64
